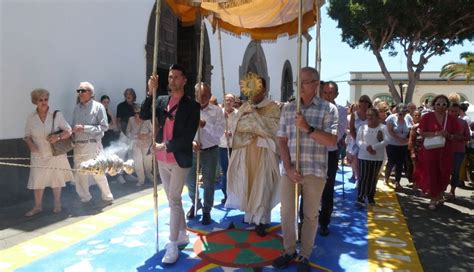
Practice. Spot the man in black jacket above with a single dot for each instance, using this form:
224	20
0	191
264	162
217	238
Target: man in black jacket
177	119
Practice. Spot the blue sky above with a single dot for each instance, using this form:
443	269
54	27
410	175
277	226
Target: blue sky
338	59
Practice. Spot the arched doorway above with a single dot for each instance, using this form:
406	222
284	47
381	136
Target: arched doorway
286	82
254	61
177	44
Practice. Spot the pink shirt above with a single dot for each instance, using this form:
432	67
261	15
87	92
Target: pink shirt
162	155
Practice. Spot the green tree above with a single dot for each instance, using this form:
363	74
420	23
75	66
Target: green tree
457	69
422	29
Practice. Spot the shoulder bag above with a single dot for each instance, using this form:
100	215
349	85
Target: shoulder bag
61	146
436	141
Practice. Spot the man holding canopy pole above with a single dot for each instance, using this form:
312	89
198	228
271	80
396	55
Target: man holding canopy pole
178	119
317	123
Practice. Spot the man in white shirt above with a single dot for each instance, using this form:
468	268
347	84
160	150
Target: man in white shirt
329	91
206	141
225	146
89	124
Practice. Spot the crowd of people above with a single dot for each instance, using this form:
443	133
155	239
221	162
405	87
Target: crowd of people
254	144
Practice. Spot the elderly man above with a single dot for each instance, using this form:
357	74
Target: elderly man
329	91
206	141
253	173
225	146
178	119
317	123
89	124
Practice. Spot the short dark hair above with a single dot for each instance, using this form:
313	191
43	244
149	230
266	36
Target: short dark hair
464	106
334	84
439	97
102	98
179	68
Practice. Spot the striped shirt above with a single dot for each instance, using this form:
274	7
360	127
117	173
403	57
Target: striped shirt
94	118
321	115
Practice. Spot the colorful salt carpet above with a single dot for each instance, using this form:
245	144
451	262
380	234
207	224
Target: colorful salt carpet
123	238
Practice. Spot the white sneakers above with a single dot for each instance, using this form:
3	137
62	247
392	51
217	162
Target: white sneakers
171	254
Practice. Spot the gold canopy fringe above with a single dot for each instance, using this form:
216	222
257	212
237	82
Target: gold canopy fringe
233	3
267	33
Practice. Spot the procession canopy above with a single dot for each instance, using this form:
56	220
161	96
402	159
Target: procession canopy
260	19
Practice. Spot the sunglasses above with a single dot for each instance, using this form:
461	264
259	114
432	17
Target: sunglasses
82	91
137	112
364	101
441	104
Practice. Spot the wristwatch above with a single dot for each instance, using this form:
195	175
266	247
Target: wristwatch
311	130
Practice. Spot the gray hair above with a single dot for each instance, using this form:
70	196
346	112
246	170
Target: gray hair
312	71
37	93
88	86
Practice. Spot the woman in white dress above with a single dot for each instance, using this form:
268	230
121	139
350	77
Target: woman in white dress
140	132
38	128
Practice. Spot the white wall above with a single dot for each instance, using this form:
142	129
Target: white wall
55	44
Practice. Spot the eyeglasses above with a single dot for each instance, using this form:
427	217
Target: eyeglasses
82	91
137	112
441	104
305	82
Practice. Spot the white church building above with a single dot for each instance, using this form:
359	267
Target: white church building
56	44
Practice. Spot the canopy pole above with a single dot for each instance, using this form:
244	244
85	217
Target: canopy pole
298	110
199	80
153	113
318	38
223	89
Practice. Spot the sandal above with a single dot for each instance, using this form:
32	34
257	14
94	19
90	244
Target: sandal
57	209
33	212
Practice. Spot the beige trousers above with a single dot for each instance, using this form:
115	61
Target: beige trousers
173	178
312	189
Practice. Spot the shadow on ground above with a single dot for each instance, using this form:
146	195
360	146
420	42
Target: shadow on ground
443	237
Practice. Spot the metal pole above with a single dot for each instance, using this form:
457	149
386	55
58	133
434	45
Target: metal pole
153	114
298	109
199	79
223	89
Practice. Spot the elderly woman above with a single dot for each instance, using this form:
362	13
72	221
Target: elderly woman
39	126
371	139
397	145
358	118
415	141
140	132
434	166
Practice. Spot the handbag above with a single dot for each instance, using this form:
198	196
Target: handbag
61	146
436	141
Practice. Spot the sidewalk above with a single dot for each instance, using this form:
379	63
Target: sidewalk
444	238
16	228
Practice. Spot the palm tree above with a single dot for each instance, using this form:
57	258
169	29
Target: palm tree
456	69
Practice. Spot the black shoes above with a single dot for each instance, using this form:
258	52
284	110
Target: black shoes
206	219
303	265
283	261
190	214
323	230
261	230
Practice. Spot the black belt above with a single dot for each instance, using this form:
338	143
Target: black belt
86	141
209	148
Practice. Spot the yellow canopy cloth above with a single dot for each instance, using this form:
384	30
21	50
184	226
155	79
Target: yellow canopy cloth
261	19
